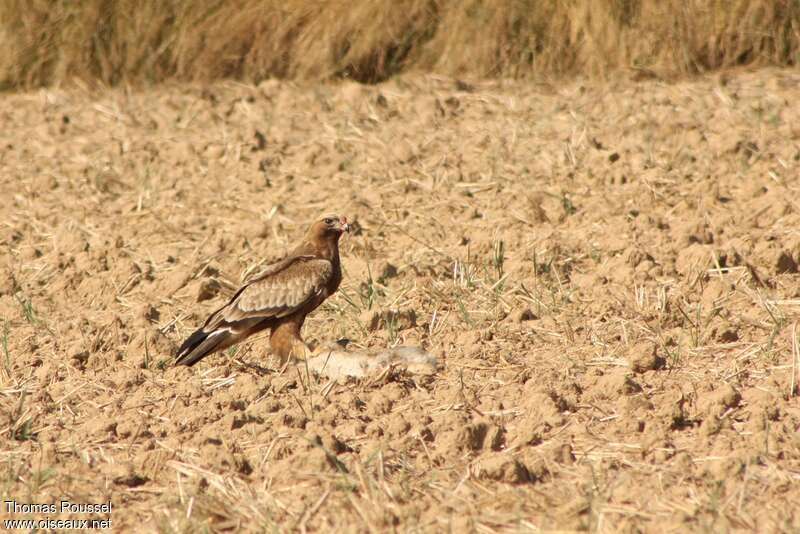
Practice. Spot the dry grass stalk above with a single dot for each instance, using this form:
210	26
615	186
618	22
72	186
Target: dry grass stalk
46	42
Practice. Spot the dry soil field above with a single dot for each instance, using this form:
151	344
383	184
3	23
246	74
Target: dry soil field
608	273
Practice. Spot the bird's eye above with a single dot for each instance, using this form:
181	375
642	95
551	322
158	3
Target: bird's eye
328	220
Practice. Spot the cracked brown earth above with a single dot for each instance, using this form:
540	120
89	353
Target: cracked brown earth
607	271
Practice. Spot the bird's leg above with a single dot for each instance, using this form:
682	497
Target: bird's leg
286	342
299	350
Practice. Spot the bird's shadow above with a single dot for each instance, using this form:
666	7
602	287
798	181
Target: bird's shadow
260	370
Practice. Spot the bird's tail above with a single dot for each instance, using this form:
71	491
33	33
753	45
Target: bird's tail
201	344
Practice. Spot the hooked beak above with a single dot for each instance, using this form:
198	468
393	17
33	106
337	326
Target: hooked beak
343	224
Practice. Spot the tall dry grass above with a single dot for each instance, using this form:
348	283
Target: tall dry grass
45	42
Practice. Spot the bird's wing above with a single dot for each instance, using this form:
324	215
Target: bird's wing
280	290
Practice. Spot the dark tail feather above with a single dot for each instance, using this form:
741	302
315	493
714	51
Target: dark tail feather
199	345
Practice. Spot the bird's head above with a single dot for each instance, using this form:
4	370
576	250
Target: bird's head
329	227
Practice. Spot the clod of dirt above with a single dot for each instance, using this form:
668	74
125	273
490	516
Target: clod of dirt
131	480
471	339
261	141
472	437
683	462
727	468
453	103
523	315
662	450
732	254
99	426
461	85
634	256
727	396
80	359
397	426
403	153
242	465
713	425
542	414
294	418
728	335
784	263
172	282
563	454
503	468
422	432
159	344
637	406
240	421
644	357
693	231
693	258
714	292
536	213
614	383
150	313
715	403
329	442
673	412
745	147
763	407
394	319
387	271
209	289
317	459
8	285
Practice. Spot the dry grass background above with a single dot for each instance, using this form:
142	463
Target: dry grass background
46	42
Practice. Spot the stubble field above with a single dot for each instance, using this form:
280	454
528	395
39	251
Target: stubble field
608	273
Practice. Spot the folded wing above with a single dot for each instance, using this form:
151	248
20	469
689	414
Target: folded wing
282	289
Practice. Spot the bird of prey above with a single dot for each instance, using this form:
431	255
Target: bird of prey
279	298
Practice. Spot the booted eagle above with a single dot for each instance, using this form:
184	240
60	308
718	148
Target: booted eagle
279	298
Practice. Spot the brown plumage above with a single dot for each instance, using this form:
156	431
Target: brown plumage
279	298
